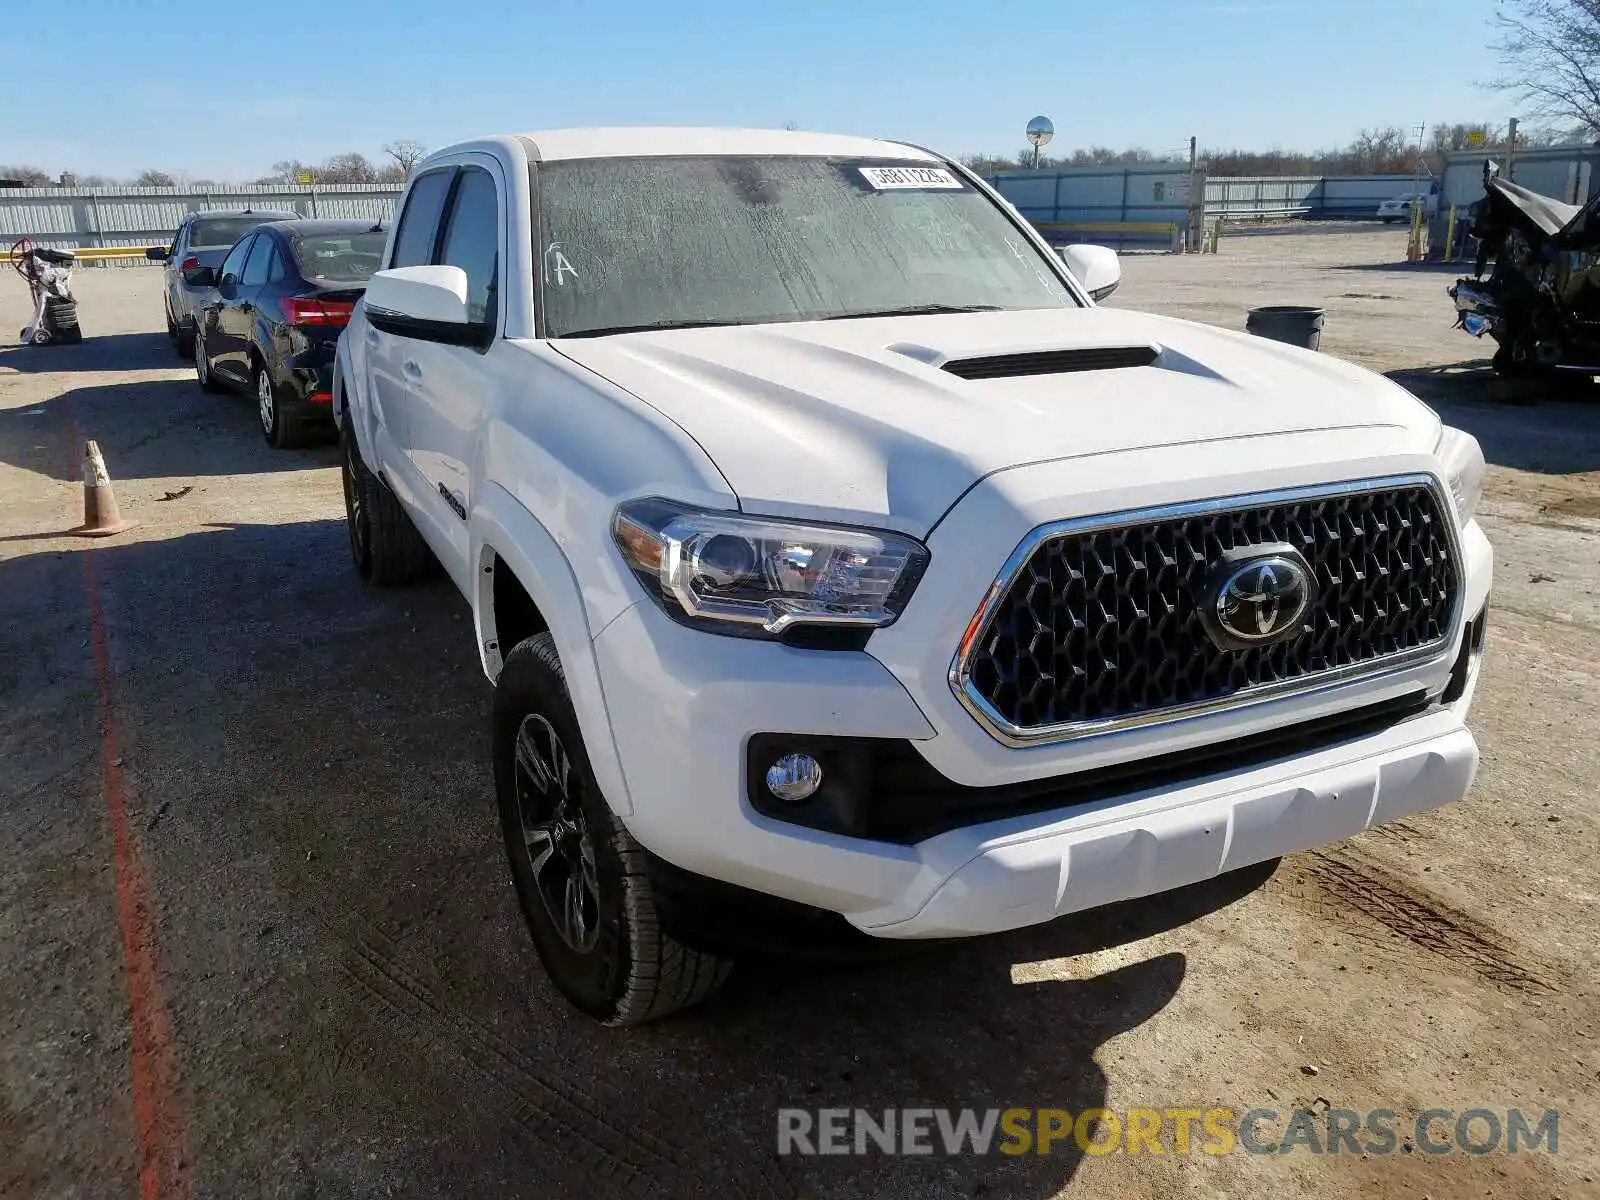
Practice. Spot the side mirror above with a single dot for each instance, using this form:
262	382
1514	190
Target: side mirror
200	277
427	303
156	254
1096	268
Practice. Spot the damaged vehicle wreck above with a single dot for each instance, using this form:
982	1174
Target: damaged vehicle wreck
1541	302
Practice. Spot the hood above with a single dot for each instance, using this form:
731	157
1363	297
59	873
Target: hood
892	419
1547	215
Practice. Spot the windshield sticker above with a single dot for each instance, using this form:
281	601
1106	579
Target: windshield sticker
556	262
884	179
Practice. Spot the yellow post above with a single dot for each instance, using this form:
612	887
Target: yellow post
1450	236
1414	246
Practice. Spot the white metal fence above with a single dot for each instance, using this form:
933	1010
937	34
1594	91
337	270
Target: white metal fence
1567	173
78	218
1315	196
1129	207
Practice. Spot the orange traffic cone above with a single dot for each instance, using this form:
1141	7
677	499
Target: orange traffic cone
101	517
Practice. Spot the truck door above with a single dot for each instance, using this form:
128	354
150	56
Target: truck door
448	384
416	238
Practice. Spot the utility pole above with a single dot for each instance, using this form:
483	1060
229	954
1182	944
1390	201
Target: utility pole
1197	200
1419	205
1511	149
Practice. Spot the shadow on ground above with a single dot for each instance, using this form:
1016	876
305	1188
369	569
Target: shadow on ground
107	352
1554	430
1403	267
357	1005
32	435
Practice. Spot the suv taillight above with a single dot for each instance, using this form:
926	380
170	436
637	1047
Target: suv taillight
308	310
188	264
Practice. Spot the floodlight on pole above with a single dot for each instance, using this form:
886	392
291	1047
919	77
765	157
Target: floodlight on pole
1040	131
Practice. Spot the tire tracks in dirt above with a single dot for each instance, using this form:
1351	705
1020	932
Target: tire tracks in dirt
551	1107
1340	883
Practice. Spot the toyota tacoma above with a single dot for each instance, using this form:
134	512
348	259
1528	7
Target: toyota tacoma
840	564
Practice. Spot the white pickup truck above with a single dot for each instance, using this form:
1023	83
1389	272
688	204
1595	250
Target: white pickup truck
839	564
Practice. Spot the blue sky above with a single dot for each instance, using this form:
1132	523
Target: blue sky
224	90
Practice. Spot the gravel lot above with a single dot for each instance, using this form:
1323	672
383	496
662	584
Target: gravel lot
257	937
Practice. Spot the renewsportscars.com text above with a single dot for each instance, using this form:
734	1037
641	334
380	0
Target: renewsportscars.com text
1017	1131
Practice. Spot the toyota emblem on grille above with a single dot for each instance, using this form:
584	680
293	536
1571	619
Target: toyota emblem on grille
1259	596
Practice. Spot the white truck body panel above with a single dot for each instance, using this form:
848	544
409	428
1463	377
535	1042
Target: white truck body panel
516	455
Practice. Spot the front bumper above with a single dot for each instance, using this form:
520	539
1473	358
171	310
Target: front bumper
682	707
994	879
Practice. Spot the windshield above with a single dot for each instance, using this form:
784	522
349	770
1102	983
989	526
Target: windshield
646	243
339	258
218	233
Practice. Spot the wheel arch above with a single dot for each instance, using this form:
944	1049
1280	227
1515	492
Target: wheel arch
518	564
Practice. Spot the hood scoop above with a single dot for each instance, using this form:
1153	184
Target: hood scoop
1052	362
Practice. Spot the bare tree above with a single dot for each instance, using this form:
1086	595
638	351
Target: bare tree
406	154
1551	53
347	168
285	170
25	175
154	178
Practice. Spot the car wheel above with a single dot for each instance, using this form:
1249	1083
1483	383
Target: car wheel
202	368
384	545
1515	359
279	428
581	879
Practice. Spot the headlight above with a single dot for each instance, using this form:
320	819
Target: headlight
757	577
1462	458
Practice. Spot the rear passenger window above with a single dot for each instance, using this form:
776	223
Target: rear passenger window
472	242
413	241
233	266
255	268
275	267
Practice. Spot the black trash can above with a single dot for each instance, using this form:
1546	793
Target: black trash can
1296	324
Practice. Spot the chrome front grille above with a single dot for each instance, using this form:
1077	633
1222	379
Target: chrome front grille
1096	624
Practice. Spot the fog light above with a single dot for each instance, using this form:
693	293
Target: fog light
794	777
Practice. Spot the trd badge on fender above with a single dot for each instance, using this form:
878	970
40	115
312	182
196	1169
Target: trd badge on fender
456	506
1258	595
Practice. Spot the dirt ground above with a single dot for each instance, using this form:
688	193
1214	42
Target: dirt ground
257	937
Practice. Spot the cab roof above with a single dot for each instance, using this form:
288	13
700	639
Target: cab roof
661	141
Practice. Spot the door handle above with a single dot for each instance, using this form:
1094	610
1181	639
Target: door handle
411	369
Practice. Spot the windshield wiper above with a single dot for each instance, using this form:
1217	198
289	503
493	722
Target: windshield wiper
912	310
647	326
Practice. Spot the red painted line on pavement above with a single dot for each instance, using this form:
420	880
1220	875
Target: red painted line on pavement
164	1169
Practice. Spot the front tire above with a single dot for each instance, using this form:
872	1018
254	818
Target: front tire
581	879
1516	359
384	545
202	368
